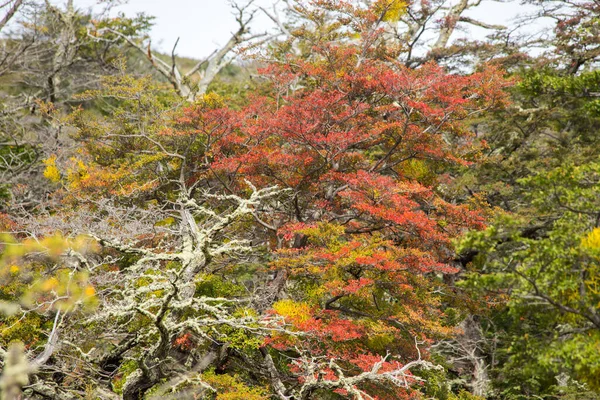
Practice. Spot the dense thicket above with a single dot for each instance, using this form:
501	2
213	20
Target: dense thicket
360	206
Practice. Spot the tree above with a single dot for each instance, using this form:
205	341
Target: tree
194	83
47	56
420	32
158	300
533	263
356	136
542	257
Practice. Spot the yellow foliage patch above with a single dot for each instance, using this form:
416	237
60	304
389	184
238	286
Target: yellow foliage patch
592	240
77	173
49	284
51	172
393	9
89	291
297	312
213	100
232	387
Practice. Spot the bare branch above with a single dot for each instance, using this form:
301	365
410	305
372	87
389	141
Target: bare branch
10	13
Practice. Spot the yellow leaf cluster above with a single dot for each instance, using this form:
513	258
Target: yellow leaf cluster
592	240
297	312
51	172
213	100
77	173
232	387
393	9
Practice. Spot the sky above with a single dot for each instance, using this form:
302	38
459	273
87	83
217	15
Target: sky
201	25
204	25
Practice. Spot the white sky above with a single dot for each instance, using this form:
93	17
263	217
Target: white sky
203	25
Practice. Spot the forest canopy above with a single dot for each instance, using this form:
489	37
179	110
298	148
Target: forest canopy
359	202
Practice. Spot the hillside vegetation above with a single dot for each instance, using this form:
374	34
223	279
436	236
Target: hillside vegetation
361	203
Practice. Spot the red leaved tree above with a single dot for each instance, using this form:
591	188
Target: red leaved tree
365	147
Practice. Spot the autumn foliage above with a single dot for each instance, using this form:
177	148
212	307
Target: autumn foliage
364	239
335	172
